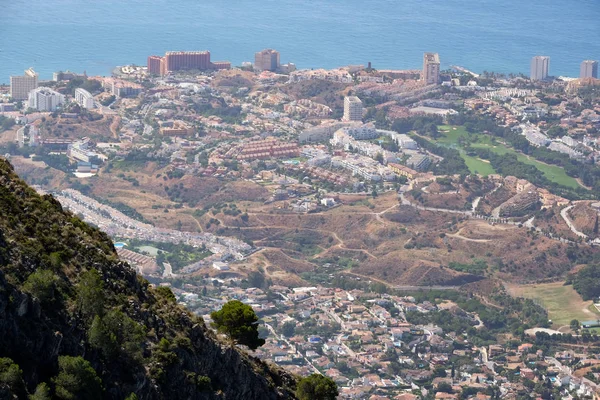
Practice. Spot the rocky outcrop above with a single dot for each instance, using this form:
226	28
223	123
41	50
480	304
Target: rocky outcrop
178	355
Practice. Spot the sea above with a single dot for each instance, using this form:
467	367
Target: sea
493	35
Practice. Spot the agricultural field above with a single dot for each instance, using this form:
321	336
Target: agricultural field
453	135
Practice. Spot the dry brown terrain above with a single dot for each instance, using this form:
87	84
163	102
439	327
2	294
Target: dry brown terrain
585	218
9	136
495	199
449	193
551	221
383	240
320	91
98	130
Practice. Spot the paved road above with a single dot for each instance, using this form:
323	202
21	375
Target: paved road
564	214
20	136
504	221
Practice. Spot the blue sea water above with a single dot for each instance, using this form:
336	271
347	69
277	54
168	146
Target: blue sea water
493	35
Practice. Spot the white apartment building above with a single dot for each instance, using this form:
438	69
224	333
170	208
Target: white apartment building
533	135
589	69
20	86
404	141
563	148
45	99
359	166
84	98
363	132
539	68
431	68
353	109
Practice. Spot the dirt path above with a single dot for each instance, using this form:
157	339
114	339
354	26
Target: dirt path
379	214
340	243
457	235
582	185
587	311
485	301
197	223
114	125
370	278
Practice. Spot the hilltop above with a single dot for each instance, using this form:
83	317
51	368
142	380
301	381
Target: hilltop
68	303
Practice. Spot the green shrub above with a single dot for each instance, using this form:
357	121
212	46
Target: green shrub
117	335
204	383
10	373
77	379
239	322
317	387
42	392
90	294
165	293
41	284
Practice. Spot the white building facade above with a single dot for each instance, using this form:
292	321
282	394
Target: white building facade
540	65
353	109
84	98
589	69
45	99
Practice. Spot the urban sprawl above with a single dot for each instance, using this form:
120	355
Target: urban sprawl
318	140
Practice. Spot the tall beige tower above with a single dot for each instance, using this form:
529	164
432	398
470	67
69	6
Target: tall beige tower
540	66
266	60
353	109
589	69
20	86
431	68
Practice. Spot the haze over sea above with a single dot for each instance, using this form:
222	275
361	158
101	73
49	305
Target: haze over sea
493	35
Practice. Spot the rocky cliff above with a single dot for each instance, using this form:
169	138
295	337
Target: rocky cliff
63	292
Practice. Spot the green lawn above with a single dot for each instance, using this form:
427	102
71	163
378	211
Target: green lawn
451	134
477	165
450	137
562	302
554	173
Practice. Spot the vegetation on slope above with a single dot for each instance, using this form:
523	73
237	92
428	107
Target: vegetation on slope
587	282
75	322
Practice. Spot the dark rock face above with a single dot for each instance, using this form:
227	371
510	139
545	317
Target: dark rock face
36	234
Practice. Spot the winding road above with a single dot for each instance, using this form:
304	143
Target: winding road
564	214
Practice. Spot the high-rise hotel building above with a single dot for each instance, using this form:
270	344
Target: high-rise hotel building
431	68
353	109
156	65
45	99
20	86
84	98
266	60
183	61
540	66
589	69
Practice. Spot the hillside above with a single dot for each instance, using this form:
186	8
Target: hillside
66	301
585	218
397	243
